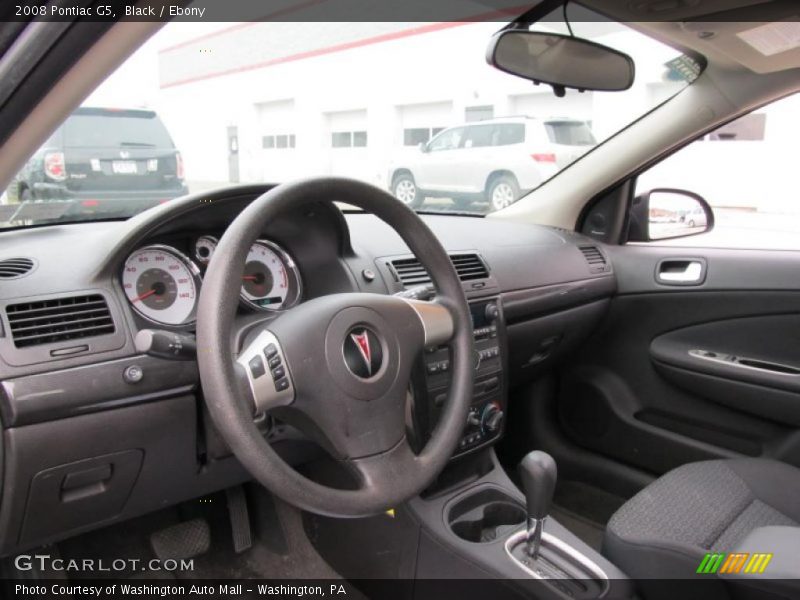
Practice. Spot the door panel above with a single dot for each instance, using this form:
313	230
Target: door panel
750	364
635	393
728	269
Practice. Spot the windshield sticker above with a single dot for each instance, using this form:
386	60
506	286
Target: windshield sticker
683	68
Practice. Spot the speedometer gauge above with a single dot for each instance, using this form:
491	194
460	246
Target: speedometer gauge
270	280
162	285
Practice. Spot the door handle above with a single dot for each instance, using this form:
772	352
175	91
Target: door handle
687	273
89	482
681	271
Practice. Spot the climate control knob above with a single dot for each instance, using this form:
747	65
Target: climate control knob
491	311
492	419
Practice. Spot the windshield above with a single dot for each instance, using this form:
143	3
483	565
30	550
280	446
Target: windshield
410	107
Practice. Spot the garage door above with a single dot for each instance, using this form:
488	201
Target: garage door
419	122
348	143
277	140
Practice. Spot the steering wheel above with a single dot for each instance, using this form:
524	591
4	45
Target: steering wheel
337	366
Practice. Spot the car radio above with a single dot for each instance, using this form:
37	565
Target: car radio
487	411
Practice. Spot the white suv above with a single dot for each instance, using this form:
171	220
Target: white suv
495	160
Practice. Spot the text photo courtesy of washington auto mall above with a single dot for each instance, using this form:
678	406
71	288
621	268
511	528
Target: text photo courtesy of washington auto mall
400	299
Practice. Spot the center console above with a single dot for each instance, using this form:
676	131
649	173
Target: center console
486	419
486	528
475	521
472	526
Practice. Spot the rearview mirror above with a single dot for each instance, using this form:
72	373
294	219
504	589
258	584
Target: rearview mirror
664	213
423	147
560	60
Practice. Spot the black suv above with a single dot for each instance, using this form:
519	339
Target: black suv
102	160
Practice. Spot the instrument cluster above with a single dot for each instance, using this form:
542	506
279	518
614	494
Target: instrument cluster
163	284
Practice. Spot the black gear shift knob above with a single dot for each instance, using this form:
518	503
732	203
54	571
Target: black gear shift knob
538	472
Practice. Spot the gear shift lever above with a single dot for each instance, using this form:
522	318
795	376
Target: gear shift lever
538	473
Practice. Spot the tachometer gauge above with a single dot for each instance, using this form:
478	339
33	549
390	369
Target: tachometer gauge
162	285
204	247
270	280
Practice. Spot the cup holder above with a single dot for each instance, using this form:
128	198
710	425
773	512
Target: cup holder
485	516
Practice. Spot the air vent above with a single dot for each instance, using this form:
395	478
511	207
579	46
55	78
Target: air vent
597	262
469	266
58	320
410	271
14	268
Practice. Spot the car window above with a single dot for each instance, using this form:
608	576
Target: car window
747	171
105	128
479	136
55	139
448	140
507	134
569	133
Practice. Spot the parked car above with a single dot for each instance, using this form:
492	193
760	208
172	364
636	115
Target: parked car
496	160
102	159
694	218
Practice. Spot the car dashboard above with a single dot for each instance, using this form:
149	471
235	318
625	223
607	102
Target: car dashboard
96	430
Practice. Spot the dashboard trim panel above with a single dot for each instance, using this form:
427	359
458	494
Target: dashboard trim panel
521	305
64	393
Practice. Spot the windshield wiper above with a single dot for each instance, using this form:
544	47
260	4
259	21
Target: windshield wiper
137	144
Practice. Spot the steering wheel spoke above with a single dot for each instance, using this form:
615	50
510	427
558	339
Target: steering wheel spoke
387	469
264	366
436	318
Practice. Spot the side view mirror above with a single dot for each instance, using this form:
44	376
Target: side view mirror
562	61
423	147
665	213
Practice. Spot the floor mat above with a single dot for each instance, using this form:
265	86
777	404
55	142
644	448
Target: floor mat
127	541
281	549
